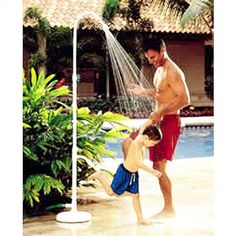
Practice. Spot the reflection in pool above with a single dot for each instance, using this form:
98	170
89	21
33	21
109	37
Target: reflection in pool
194	141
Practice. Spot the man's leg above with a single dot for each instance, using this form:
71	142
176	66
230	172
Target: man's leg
166	188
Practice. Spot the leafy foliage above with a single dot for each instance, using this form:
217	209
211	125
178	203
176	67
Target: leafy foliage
196	9
91	49
48	45
135	23
190	11
37	59
110	8
132	14
34	16
178	7
59	47
46	156
47	141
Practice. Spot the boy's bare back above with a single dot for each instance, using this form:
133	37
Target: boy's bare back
135	155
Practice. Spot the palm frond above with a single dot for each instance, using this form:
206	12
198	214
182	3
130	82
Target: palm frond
196	9
177	7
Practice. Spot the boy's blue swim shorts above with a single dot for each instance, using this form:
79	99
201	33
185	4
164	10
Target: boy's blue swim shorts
125	180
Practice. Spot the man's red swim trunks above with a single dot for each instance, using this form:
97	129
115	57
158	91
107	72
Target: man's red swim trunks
170	127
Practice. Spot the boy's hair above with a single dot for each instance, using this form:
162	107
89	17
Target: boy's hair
153	132
153	43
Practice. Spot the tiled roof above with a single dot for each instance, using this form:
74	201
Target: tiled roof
64	13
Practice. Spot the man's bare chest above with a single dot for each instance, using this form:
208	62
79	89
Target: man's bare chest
160	80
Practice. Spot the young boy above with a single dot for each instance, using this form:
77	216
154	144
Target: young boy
125	181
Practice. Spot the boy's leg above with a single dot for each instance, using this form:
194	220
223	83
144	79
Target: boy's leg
136	201
137	208
103	180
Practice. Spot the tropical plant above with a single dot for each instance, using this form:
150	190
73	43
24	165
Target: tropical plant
110	8
91	50
196	9
131	13
190	10
59	48
47	141
41	25
135	23
50	47
43	132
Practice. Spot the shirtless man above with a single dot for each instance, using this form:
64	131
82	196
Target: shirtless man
126	178
171	94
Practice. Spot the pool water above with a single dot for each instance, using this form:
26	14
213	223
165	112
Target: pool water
194	141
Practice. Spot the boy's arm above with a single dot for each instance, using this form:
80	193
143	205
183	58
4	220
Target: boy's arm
137	158
148	169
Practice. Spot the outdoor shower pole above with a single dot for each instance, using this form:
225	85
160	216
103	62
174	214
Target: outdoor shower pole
74	122
74	215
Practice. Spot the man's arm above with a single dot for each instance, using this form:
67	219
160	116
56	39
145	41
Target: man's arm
182	99
141	91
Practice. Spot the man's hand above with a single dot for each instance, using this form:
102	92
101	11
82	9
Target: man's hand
147	123
155	117
136	89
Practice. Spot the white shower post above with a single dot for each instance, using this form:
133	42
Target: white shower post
74	216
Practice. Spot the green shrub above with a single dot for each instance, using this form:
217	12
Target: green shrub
110	8
47	142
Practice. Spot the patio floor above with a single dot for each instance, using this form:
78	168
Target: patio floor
192	181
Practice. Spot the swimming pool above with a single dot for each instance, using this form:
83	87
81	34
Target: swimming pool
194	141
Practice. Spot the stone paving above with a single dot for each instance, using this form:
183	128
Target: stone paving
193	194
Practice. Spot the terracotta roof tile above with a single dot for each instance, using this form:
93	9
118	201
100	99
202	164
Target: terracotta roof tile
64	13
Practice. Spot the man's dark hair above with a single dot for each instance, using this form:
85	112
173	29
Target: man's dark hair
153	132
153	43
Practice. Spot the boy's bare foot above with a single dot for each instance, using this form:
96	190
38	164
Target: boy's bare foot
144	222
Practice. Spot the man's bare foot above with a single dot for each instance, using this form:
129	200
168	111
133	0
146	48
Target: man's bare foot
164	214
95	175
144	222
